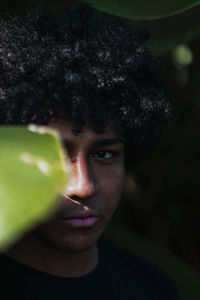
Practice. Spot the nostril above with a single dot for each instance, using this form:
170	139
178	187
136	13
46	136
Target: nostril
74	197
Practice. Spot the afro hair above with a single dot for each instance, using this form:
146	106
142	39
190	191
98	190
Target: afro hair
81	67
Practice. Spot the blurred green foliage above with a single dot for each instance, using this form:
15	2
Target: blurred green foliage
168	33
143	9
33	173
182	55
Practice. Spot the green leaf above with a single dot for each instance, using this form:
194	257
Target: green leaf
182	55
168	33
143	10
32	174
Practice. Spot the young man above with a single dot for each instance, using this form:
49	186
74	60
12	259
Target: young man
96	83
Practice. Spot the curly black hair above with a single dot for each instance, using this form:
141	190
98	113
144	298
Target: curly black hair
84	68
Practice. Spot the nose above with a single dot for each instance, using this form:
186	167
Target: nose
81	184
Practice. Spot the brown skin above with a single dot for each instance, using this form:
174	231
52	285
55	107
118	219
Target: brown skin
96	180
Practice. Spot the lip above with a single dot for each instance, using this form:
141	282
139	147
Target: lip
80	221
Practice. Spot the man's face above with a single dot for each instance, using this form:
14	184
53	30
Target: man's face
96	163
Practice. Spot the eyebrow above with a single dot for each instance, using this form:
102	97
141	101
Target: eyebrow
107	142
97	143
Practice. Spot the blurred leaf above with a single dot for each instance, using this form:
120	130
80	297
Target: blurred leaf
143	10
32	174
182	55
168	33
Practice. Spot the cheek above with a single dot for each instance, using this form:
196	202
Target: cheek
110	188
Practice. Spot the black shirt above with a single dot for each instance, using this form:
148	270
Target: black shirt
119	275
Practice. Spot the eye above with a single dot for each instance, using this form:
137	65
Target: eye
103	155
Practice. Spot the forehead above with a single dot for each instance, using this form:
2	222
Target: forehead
87	132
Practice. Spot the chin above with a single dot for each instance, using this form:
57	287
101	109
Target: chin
73	245
72	241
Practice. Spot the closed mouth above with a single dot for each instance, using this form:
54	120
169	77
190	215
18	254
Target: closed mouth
80	221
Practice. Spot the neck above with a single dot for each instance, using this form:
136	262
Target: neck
41	256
